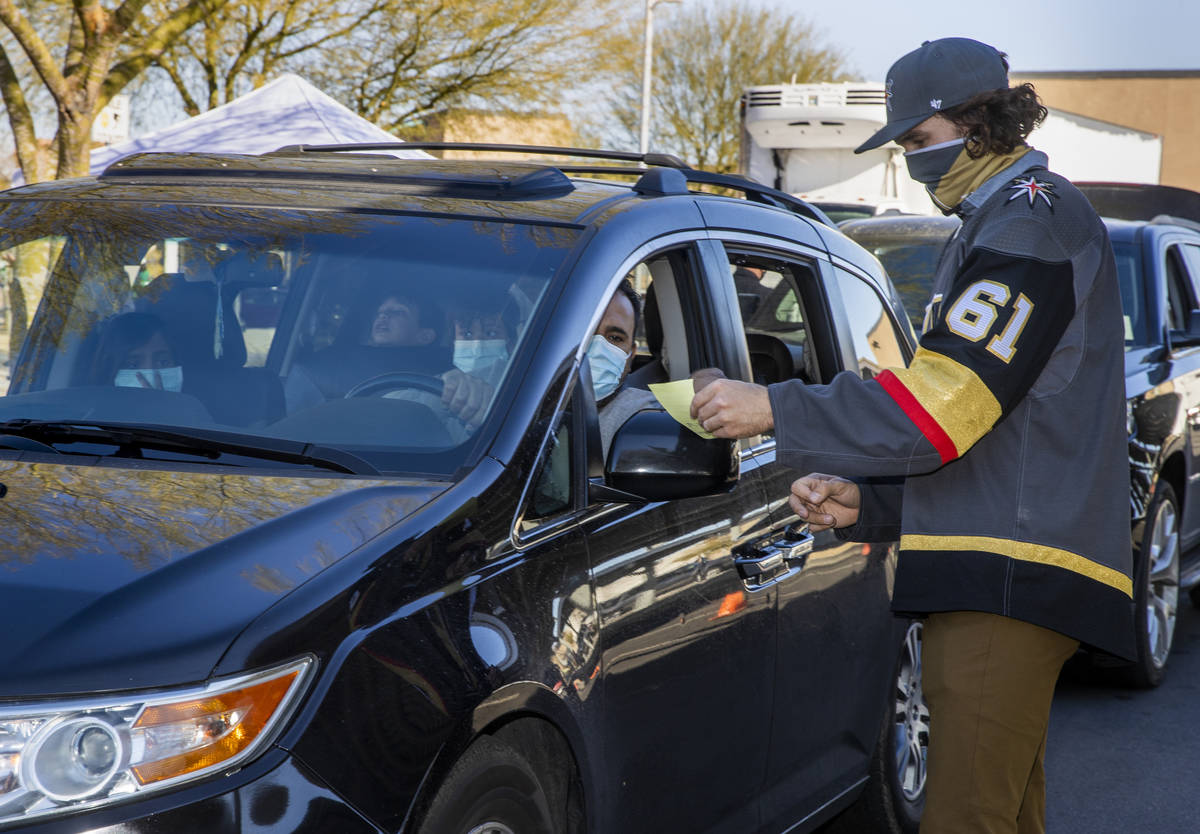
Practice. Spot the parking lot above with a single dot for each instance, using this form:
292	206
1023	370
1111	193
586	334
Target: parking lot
1118	760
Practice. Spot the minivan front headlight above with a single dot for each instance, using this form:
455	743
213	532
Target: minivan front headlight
59	757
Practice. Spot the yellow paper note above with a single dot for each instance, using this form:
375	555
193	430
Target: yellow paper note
676	398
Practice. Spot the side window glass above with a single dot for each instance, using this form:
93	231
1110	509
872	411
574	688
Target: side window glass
1191	256
877	345
1179	298
778	336
661	351
552	488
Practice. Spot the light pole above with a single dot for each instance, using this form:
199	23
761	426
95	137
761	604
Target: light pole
648	43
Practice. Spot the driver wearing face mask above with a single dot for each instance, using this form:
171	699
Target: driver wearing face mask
467	392
481	344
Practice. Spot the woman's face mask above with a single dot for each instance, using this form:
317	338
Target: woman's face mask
473	354
608	365
164	379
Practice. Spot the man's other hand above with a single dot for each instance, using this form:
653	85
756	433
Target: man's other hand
731	409
825	501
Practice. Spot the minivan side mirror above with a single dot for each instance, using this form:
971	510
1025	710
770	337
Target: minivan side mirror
655	458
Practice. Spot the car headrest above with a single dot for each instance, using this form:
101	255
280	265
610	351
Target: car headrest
774	360
652	321
201	329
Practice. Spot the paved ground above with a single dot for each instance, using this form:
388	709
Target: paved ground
1121	760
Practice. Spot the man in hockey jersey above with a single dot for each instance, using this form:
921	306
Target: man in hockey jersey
998	457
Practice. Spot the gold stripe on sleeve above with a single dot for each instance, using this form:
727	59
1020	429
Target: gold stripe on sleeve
953	395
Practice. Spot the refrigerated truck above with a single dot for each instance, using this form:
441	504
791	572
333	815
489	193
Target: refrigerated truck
800	138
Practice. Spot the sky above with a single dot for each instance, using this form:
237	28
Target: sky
1036	34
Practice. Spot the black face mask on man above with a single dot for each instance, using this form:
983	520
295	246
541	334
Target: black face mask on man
949	173
928	165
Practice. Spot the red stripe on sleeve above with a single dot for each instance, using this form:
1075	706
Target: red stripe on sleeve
917	413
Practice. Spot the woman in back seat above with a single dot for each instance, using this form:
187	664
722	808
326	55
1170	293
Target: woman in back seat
134	352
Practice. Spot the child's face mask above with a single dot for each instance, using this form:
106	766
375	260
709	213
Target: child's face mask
164	379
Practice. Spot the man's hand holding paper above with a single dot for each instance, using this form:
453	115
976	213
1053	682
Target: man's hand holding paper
728	408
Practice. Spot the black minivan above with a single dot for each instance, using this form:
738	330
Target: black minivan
257	575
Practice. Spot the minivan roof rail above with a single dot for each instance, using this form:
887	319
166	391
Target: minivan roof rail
665	160
753	190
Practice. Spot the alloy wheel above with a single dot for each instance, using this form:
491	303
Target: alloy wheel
911	718
1162	598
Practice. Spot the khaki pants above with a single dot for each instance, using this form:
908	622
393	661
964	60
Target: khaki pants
988	682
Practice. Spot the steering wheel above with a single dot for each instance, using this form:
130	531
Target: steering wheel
394	381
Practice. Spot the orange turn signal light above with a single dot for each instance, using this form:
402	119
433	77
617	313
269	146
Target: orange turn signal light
213	728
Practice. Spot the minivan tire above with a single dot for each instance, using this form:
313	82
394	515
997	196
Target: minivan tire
492	789
1156	583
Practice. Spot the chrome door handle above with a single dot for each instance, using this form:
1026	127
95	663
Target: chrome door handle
764	564
769	559
795	544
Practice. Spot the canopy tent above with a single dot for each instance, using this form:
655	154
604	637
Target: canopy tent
287	111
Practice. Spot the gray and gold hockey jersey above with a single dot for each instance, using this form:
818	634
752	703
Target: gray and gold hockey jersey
1008	428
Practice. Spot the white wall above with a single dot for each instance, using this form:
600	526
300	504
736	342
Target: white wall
1088	149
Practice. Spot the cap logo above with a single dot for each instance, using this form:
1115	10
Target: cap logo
887	94
935	103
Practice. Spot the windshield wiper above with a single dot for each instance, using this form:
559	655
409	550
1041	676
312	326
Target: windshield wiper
200	442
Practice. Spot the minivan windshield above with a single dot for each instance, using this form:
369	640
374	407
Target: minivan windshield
335	329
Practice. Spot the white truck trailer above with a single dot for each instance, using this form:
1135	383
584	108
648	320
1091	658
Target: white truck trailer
800	138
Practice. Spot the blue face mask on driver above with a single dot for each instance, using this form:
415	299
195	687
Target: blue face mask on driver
608	365
471	355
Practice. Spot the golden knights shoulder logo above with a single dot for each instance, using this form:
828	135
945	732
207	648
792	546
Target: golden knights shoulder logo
1033	189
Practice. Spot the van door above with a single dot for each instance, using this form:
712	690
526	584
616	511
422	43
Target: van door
687	641
837	637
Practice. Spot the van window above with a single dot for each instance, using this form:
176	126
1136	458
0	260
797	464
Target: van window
877	340
342	331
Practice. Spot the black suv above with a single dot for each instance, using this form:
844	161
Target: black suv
260	576
1155	234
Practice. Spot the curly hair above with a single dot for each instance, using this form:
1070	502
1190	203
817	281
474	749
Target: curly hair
999	120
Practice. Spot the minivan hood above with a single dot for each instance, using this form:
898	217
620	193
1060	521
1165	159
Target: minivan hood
118	578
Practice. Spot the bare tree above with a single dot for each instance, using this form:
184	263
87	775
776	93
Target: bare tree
80	53
704	58
395	62
423	56
71	57
254	40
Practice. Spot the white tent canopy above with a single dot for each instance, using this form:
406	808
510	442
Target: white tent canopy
287	111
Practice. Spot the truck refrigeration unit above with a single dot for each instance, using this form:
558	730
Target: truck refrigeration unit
800	138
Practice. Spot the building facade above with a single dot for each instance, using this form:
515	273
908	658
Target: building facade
1161	102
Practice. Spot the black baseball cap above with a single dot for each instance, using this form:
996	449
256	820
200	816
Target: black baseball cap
938	75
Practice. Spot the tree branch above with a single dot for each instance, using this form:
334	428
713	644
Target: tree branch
20	121
156	42
34	48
